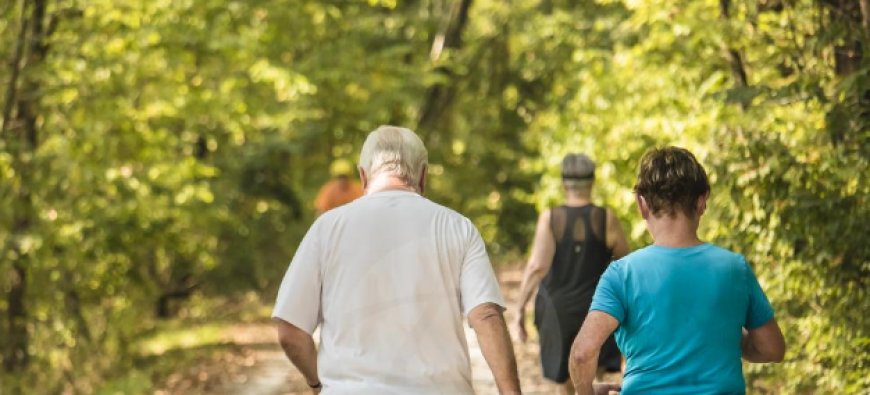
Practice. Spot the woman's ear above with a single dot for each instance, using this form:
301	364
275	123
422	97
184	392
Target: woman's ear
642	206
701	204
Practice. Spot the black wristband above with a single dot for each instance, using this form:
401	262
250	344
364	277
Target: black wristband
315	386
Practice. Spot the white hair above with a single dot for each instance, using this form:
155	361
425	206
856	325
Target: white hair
395	151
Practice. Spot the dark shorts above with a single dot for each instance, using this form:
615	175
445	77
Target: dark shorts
556	333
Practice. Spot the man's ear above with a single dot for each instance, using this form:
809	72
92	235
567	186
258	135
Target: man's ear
642	206
422	184
362	177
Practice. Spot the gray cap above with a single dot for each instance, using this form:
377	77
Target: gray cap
578	167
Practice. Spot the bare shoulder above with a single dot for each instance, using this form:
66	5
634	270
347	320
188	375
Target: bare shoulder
544	219
611	215
612	221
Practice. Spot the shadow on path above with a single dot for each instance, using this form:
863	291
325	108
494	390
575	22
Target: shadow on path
255	364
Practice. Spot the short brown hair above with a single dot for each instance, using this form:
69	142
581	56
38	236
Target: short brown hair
671	179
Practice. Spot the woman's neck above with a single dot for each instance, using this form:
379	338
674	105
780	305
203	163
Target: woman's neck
573	199
673	231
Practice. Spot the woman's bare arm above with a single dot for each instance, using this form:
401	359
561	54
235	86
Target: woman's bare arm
540	260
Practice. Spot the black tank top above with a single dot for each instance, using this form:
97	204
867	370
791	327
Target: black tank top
566	291
580	258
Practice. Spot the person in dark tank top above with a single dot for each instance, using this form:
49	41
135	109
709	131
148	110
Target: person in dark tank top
574	243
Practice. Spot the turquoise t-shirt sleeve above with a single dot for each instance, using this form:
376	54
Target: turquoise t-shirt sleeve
608	294
758	311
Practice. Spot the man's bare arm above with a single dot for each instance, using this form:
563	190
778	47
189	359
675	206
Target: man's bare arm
583	361
539	264
495	344
763	344
299	347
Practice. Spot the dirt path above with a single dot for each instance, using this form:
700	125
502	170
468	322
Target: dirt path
257	366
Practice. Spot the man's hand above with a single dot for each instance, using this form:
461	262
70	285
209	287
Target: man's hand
606	388
518	327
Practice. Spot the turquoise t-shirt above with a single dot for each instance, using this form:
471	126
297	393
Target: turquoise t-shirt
681	312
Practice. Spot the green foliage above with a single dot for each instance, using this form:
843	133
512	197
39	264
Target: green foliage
180	144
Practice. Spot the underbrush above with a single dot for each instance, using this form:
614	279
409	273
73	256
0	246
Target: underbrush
160	354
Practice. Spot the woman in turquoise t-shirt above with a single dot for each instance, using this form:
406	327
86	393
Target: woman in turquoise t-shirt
684	311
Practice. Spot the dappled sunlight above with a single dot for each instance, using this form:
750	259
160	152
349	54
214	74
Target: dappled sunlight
159	162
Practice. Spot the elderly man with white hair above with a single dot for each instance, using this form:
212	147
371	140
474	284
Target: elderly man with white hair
388	278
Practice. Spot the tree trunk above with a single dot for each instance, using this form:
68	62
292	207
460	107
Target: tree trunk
735	60
16	357
15	69
21	134
440	94
865	15
846	118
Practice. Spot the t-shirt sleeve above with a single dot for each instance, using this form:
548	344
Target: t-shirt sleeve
477	282
609	293
758	310
298	301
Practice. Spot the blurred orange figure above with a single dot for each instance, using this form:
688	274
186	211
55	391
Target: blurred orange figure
340	189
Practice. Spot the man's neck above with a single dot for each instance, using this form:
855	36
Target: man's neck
388	183
673	231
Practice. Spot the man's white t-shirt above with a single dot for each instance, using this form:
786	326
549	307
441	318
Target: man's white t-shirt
389	278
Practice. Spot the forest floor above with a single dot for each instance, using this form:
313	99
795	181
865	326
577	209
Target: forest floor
250	362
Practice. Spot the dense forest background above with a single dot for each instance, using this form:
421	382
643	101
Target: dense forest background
158	155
